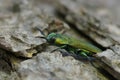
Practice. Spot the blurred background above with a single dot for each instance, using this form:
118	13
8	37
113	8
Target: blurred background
25	57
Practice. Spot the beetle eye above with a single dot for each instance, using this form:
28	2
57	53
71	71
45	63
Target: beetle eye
52	40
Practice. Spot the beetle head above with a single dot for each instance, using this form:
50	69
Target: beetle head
51	38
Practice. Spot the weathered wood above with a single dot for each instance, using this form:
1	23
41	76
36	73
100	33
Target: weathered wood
104	34
90	26
110	61
17	34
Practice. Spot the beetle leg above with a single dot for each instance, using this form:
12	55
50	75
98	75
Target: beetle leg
58	48
89	58
66	53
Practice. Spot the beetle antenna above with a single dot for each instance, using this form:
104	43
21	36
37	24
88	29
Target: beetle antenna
41	37
40	31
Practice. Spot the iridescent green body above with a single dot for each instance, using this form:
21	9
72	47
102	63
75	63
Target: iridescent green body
71	44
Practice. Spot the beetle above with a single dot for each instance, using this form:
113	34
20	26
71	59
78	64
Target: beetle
71	45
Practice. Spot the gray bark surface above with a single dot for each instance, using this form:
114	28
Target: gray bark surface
24	56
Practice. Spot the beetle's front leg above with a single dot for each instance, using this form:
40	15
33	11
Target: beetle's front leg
61	47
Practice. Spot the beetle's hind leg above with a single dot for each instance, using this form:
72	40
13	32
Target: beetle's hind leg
91	62
89	58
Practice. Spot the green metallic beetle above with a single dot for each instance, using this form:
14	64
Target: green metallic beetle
71	44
